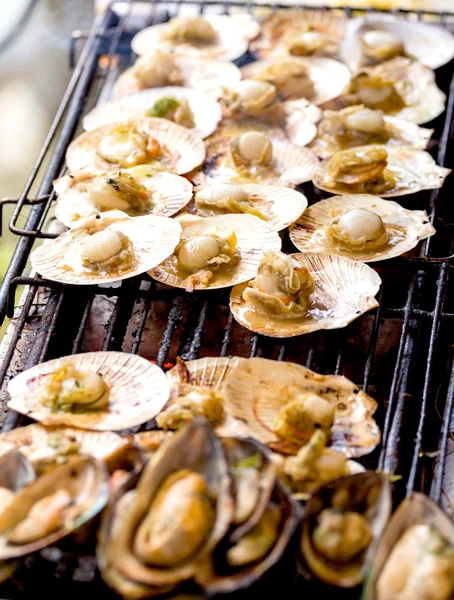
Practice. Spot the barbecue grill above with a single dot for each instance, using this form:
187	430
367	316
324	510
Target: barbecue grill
401	353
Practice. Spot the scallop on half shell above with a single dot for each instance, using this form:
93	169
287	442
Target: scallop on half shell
329	78
253	237
355	510
403	228
258	388
79	490
344	290
414	555
193	461
206	111
138	390
278	26
280	205
148	239
162	194
288	164
409	170
48	446
397	132
180	150
232	36
427	43
202	74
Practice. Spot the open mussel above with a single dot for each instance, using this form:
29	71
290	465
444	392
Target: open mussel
341	526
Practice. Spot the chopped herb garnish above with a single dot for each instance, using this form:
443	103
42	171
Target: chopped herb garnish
250	462
148	174
162	106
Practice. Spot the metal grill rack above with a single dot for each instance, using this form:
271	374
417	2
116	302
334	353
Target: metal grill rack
401	353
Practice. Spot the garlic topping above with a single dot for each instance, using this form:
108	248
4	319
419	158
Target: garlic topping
358	229
279	288
301	417
195	30
191	402
341	536
157	69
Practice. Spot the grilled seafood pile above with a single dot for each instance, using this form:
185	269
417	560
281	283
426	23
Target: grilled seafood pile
190	176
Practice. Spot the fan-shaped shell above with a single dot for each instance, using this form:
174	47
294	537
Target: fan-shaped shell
290	165
344	290
272	27
403	133
254	237
413	170
281	205
203	74
330	77
415	510
234	33
187	150
138	391
197	449
405	227
84	478
427	43
153	238
207	112
426	101
258	388
37	443
168	194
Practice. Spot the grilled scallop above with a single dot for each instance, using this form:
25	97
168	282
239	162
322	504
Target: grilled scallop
159	69
158	143
360	227
190	108
107	247
380	171
375	38
360	126
103	391
254	157
296	294
214	36
316	79
217	252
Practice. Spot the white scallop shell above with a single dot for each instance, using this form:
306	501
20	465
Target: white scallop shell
404	133
256	390
254	237
207	112
344	290
33	441
330	77
202	74
428	43
138	391
414	170
405	227
322	21
154	238
290	165
234	33
281	205
187	148
169	194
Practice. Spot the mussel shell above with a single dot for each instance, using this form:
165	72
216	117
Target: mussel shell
130	457
83	477
197	448
138	391
253	394
344	290
207	112
363	491
413	224
234	33
16	471
240	449
417	509
216	578
427	43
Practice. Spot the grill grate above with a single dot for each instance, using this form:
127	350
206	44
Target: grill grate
401	353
